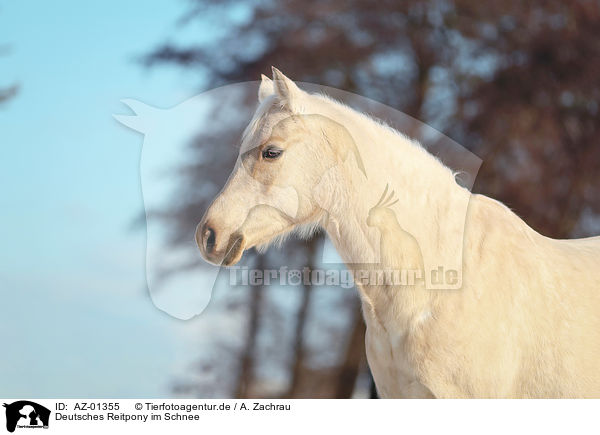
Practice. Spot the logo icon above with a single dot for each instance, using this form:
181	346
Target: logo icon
26	414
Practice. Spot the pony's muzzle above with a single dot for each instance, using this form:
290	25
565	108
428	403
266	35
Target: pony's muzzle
206	239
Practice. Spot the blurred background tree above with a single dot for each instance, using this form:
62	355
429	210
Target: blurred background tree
514	82
7	92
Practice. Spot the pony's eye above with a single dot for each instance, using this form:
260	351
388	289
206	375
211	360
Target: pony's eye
271	153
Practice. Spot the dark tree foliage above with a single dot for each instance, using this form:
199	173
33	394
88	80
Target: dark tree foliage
515	82
534	118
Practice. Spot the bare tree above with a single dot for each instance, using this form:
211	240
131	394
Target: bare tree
516	82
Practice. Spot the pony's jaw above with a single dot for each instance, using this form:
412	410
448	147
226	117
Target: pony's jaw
236	247
229	246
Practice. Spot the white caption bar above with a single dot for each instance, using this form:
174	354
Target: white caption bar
184	416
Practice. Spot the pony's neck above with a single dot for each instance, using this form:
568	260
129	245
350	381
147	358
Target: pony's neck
430	202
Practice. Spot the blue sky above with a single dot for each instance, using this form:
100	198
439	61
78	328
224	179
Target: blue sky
76	319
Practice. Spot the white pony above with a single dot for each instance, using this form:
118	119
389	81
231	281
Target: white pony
526	321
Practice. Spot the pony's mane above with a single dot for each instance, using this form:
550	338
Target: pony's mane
380	125
403	144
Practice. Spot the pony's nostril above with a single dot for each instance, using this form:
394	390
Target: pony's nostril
209	239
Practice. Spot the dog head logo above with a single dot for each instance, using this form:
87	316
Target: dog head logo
26	414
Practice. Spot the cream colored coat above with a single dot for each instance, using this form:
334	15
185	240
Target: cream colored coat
526	322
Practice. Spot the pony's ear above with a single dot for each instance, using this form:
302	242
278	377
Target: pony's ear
266	88
285	89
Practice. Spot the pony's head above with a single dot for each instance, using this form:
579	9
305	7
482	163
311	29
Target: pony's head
286	150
